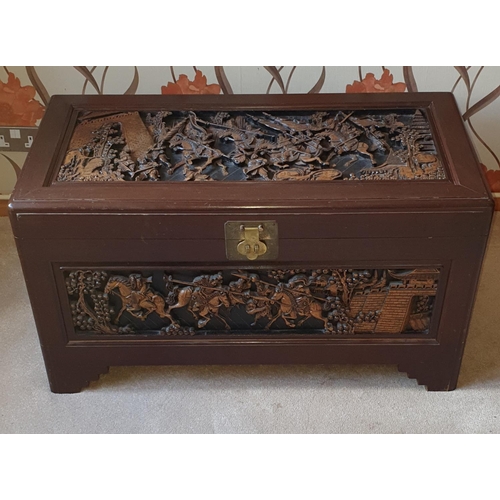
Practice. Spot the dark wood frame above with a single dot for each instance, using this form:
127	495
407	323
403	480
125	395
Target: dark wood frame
362	223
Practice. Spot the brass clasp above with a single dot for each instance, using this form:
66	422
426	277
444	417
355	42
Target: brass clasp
251	240
251	246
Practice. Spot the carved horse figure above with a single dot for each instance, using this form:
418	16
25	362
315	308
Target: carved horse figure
201	305
308	308
290	308
208	307
137	297
183	298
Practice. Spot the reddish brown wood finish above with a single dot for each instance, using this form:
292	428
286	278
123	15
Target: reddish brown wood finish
3	208
364	223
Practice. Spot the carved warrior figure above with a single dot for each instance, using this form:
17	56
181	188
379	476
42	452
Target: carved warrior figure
334	301
204	146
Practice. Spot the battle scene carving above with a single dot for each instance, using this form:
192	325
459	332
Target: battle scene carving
252	146
298	301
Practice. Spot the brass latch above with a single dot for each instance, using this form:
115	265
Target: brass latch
251	240
251	247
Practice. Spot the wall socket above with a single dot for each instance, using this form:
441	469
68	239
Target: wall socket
17	139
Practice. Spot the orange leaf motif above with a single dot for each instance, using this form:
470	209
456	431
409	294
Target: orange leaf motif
493	178
18	106
186	86
370	84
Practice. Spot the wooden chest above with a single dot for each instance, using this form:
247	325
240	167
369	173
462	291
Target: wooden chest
252	230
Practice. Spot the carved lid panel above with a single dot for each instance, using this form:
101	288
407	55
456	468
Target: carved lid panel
400	151
252	146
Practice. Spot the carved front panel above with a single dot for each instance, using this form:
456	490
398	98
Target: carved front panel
235	302
251	146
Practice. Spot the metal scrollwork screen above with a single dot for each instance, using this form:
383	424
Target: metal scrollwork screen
238	302
252	146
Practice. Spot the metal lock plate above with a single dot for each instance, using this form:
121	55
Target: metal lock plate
251	240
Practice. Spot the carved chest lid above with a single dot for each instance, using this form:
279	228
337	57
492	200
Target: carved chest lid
240	151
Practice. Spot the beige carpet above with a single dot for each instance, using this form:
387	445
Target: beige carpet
258	399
